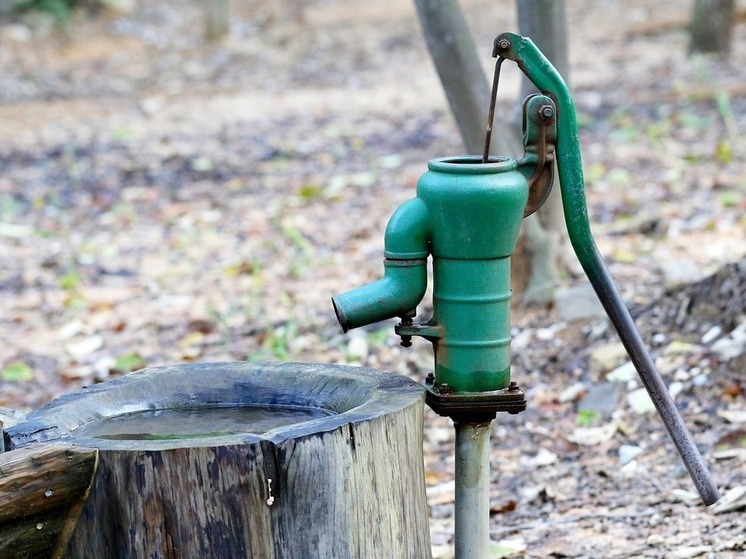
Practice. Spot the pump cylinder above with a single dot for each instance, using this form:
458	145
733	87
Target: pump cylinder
472	303
475	212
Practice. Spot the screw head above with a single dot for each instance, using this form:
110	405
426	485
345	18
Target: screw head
504	44
430	378
444	389
513	386
547	111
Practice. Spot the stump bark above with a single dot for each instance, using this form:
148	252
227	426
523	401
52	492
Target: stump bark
42	490
349	484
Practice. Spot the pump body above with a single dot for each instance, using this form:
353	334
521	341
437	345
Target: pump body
466	215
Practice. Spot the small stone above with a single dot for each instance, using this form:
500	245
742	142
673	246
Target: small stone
733	500
687	497
659	338
655	540
675	388
577	303
712	334
639	401
543	458
18	33
591	436
602	398
701	379
606	357
732	345
680	271
677	347
103	365
571	393
357	348
627	453
624	373
531	493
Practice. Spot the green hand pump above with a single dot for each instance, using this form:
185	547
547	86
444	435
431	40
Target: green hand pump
466	216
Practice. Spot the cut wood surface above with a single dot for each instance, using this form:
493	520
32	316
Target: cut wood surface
349	484
42	490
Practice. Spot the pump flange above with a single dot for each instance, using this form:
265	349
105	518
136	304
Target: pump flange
474	407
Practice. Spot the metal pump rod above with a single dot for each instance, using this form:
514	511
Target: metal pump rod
544	76
472	485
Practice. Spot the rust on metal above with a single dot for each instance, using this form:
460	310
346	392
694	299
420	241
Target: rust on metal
491	113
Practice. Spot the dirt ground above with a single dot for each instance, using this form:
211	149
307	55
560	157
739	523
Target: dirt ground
164	199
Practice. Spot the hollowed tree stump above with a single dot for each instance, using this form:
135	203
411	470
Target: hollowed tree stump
347	484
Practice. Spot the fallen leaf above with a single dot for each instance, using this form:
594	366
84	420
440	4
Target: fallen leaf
733	416
690	552
84	347
688	497
732	500
591	436
127	363
507	548
17	372
441	494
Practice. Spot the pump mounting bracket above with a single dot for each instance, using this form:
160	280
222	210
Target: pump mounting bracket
474	407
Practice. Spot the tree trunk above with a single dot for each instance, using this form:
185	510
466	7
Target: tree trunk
711	27
42	490
455	57
451	46
544	241
217	19
346	481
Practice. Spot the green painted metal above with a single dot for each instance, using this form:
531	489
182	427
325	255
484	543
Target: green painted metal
475	211
467	215
397	293
570	168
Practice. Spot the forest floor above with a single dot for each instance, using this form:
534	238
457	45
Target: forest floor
164	199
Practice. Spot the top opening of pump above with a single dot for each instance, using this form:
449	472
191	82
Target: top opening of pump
471	164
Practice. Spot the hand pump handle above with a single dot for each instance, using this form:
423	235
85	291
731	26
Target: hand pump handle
545	77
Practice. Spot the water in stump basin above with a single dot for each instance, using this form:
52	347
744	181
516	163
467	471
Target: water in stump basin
198	422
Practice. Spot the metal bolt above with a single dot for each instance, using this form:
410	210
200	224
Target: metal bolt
430	378
444	389
546	111
504	44
513	386
406	320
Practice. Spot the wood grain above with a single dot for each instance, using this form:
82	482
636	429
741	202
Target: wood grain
42	490
347	485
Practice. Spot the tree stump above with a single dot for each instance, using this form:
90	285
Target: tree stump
42	490
345	480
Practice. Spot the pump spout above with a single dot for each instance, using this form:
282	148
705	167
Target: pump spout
404	282
397	293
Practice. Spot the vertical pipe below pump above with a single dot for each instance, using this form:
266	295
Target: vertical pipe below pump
472	526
